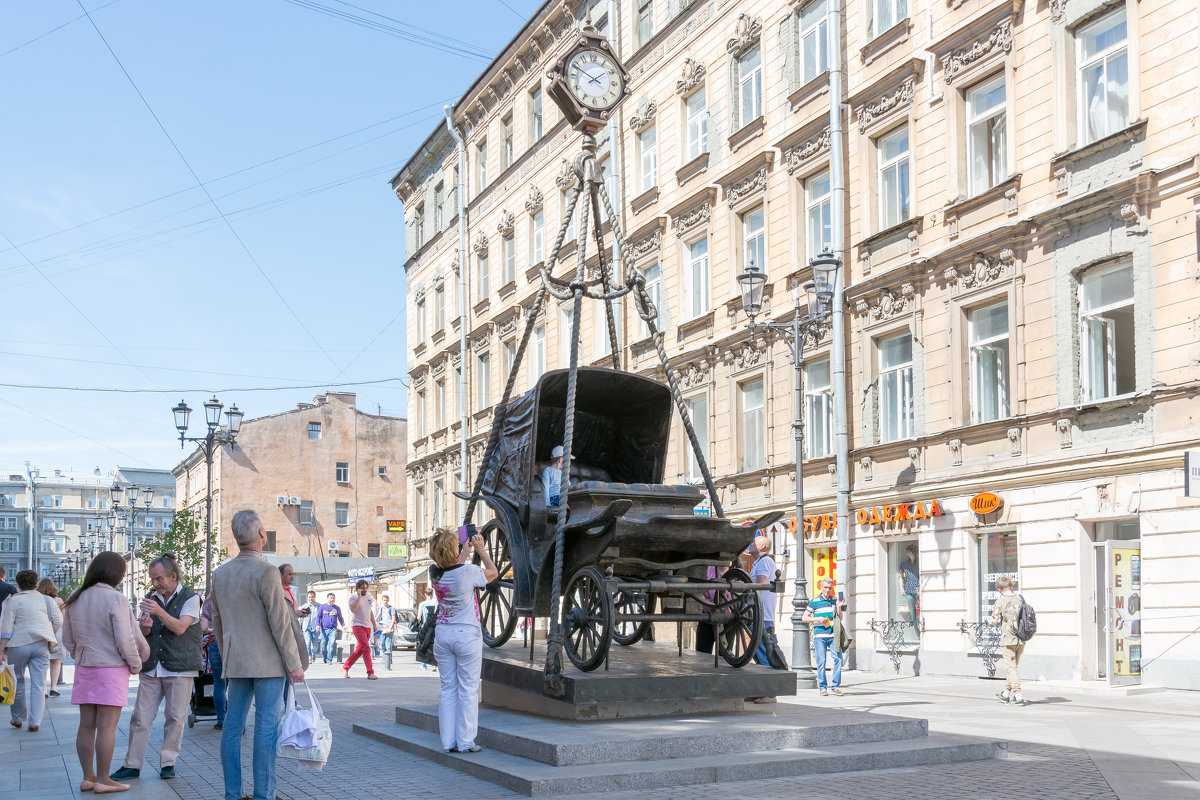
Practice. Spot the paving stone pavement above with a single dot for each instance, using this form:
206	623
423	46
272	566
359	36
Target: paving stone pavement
1069	743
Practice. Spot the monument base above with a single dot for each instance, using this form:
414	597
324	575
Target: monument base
648	679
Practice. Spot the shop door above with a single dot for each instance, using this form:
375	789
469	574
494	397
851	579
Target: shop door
1119	578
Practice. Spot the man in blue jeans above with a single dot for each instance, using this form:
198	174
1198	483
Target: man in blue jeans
820	614
311	622
331	620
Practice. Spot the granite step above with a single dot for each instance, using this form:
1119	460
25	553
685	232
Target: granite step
562	743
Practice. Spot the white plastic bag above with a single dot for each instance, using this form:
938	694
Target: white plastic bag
305	735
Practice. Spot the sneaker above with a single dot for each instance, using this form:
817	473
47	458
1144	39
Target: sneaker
219	726
345	673
765	700
54	693
824	693
838	692
372	677
166	773
1002	697
1017	701
472	749
124	773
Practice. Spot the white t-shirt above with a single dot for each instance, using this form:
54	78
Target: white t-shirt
455	590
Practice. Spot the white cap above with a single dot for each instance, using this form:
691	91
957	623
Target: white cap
557	452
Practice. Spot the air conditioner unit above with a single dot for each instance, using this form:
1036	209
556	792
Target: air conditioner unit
293	501
281	499
333	544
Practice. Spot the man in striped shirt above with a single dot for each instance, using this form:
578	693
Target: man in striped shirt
820	614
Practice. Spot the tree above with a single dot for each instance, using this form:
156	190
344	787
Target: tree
185	540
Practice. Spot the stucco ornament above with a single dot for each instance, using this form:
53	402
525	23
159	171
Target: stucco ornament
746	32
999	39
903	95
693	76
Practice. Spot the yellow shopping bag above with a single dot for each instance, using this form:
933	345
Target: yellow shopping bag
8	685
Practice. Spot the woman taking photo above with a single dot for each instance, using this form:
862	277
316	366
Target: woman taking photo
458	639
101	634
28	626
47	587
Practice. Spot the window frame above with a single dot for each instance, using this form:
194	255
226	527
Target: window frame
997	175
482	275
818	398
1087	388
439	308
1102	57
815	204
314	428
656	289
341	472
306	514
693	292
508	247
508	140
537	119
974	364
905	424
647	142
882	166
898	11
700	425
537	237
816	33
481	176
643	23
341	514
753	78
483	380
696	124
419	313
754	236
744	435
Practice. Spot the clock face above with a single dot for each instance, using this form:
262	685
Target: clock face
594	79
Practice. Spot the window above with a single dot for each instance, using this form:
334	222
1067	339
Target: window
696	110
997	556
892	154
987	136
537	236
382	471
1107	332
565	333
987	335
269	547
645	21
818	409
752	435
886	14
47	501
58	501
754	239
420	414
658	295
507	151
481	280
372	549
419	498
819	214
12	523
509	248
341	472
166	501
439	500
904	605
104	502
166	523
8	545
895	388
539	351
814	40
483	381
604	162
91	503
1103	77
439	308
750	86
648	148
697	278
305	515
535	114
509	352
697	408
341	514
439	207
481	165
314	430
419	225
439	404
420	314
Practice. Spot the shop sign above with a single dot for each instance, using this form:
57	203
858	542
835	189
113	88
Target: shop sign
397	551
1191	473
824	565
1126	612
395	526
898	512
361	572
985	503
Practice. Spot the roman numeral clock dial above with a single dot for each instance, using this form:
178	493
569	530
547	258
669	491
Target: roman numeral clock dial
588	81
594	79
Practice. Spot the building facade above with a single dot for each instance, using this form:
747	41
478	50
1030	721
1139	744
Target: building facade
1019	250
326	479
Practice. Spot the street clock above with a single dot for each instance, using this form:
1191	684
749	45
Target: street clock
588	82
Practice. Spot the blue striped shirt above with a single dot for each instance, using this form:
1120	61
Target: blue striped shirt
822	608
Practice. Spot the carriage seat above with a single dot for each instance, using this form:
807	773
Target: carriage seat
680	495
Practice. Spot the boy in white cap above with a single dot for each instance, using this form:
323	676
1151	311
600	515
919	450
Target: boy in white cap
552	477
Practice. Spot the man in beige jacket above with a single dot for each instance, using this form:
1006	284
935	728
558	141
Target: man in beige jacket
261	649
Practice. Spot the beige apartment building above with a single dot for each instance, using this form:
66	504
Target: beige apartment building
1020	260
327	480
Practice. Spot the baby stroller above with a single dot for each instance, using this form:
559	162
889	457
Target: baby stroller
201	705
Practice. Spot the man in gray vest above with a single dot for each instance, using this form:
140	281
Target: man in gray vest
170	621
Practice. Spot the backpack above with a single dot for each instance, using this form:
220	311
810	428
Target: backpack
1026	621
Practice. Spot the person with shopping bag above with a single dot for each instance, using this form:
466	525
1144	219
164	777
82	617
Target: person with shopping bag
305	735
28	632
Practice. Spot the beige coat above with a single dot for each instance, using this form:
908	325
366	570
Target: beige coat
253	620
30	617
99	630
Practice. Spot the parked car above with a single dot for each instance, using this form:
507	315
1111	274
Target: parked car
405	638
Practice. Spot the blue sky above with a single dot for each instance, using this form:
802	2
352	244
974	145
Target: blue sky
118	271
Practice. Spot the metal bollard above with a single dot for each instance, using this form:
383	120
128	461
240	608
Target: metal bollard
340	657
387	660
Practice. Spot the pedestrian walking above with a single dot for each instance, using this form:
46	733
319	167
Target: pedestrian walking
29	625
47	587
213	652
261	648
822	612
1005	612
312	626
7	590
331	622
385	626
763	571
102	636
170	621
458	639
362	621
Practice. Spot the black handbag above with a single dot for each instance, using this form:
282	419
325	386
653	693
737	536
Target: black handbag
425	639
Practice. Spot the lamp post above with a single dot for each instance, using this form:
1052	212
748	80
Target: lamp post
209	443
120	512
804	322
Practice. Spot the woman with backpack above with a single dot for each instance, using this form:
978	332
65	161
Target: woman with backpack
1005	613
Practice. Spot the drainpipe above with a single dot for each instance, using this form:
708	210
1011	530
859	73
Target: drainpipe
837	185
614	160
448	110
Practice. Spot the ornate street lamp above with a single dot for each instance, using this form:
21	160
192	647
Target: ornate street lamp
805	322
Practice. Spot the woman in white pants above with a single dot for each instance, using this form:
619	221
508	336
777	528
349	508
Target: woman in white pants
458	640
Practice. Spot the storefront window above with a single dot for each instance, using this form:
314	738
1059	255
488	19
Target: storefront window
997	556
823	565
904	586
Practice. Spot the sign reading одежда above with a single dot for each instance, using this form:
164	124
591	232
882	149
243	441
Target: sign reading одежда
875	515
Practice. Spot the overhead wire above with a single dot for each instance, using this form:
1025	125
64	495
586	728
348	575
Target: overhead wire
513	10
74	432
53	30
466	51
201	390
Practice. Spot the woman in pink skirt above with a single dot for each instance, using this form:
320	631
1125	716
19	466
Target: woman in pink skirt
102	635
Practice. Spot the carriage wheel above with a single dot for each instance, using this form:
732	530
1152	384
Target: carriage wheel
631	632
498	618
587	619
741	636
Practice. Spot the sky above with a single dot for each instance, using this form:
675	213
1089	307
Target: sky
194	199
